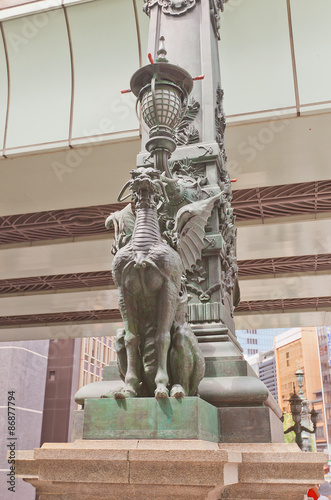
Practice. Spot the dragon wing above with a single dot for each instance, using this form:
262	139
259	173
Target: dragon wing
189	228
124	221
127	221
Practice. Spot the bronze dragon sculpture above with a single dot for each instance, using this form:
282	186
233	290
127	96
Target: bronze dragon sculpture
156	348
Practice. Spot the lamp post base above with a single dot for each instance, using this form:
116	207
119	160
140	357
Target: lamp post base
169	470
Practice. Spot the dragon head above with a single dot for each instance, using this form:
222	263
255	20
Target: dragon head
146	187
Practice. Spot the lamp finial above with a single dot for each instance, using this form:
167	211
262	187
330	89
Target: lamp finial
162	51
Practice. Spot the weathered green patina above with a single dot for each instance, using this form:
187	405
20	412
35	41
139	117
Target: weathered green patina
148	418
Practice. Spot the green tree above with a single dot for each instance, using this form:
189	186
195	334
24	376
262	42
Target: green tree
288	422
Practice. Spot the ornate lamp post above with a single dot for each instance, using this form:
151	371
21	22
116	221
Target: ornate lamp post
182	194
306	442
296	409
300	376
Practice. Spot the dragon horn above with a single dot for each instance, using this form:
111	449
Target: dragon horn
168	180
119	198
160	183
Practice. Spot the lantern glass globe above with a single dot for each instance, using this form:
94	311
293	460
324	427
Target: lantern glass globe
295	402
300	376
314	416
162	106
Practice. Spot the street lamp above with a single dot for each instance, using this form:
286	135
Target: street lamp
300	375
295	404
306	443
162	90
296	408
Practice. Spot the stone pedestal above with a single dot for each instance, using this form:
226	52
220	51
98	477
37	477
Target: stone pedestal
188	418
230	390
169	470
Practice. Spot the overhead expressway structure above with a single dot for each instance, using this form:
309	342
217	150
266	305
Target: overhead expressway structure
69	138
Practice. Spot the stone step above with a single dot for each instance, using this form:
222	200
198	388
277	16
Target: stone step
128	492
261	471
295	489
279	465
261	447
274	471
281	457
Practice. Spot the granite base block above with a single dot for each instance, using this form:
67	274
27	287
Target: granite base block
169	470
148	418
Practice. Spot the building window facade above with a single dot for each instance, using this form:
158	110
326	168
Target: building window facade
97	352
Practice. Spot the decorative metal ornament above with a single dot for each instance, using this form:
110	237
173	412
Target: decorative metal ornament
215	17
185	132
172	7
215	7
220	120
204	295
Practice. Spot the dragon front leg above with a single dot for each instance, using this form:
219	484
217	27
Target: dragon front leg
166	312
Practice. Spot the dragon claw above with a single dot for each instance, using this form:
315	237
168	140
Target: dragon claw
177	392
161	392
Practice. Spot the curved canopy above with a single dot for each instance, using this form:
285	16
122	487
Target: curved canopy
63	64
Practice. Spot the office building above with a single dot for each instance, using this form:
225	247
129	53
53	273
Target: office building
257	340
264	365
324	344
